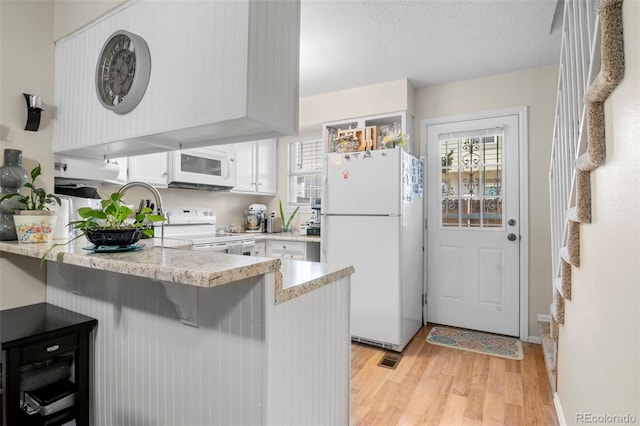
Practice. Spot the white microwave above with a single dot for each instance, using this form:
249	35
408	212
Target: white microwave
210	168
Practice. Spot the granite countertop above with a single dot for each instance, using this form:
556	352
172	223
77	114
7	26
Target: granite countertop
201	268
299	277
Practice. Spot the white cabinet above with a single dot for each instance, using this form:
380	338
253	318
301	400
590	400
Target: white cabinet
221	71
296	250
369	131
256	167
150	168
266	156
244	168
287	249
259	249
123	166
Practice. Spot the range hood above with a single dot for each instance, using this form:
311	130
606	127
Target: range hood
220	72
85	169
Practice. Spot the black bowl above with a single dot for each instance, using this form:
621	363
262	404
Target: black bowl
113	237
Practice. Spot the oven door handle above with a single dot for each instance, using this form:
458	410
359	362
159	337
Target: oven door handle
221	248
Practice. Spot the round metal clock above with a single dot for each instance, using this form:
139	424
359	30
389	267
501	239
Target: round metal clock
123	71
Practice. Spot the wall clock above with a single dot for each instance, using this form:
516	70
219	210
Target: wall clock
123	71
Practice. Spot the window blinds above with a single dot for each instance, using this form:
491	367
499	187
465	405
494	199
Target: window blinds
309	155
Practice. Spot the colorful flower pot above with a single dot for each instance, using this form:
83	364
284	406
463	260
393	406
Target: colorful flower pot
34	226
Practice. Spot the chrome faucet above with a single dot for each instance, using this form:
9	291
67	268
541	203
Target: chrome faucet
156	196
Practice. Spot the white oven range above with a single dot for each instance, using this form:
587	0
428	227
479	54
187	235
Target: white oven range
197	227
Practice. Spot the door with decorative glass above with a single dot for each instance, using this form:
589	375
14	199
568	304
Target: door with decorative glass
473	224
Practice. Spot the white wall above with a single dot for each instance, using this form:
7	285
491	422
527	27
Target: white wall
27	50
71	15
375	99
599	344
537	89
27	67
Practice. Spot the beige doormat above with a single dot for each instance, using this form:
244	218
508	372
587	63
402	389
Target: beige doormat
474	341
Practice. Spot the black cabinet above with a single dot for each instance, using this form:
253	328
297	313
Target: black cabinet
42	343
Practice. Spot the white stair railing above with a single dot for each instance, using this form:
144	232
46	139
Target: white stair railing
579	65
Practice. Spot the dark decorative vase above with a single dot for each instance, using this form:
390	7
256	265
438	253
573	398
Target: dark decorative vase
12	177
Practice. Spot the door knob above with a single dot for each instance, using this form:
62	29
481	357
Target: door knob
512	237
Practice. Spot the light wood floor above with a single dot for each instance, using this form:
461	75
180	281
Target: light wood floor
434	385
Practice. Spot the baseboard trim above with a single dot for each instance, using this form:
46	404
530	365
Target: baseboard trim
535	339
544	318
559	413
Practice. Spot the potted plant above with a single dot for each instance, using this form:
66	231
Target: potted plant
34	222
113	225
393	140
286	224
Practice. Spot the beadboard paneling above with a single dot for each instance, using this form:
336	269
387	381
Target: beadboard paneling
192	71
150	369
199	85
274	52
309	357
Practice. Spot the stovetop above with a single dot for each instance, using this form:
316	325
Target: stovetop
196	226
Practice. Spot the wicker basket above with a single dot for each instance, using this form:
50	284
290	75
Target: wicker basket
350	146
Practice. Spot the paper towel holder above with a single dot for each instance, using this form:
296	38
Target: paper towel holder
62	229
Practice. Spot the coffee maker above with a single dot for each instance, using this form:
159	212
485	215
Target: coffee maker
314	223
254	218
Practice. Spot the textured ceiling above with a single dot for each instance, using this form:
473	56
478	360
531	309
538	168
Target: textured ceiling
351	43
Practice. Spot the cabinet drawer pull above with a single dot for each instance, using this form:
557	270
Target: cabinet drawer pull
53	348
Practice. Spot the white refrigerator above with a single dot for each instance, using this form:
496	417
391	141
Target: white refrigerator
372	218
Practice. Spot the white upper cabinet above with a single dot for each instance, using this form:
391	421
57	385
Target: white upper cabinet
256	167
220	72
266	166
123	170
245	181
149	168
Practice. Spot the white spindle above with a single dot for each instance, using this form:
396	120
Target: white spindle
578	67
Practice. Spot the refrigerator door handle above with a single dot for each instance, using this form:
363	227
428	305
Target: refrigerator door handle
323	189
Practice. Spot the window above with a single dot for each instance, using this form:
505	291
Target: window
305	170
471	181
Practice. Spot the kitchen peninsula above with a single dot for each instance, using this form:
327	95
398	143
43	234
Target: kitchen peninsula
202	338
